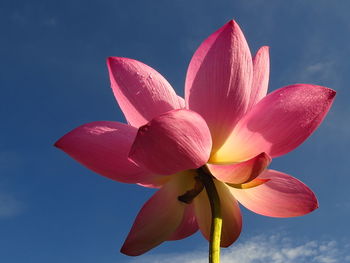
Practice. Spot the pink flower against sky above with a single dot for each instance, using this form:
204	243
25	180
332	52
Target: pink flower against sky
225	124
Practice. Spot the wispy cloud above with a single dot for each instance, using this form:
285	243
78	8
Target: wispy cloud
9	206
25	18
50	21
10	163
262	249
320	71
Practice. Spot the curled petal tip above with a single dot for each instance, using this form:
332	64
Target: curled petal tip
60	143
116	61
241	173
232	23
264	49
317	205
328	91
332	93
265	156
109	60
124	250
56	144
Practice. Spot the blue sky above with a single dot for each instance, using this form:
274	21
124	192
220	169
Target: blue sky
53	78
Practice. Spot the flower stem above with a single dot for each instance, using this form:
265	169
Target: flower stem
216	220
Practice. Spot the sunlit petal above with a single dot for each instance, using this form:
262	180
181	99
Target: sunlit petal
172	142
278	123
142	93
219	79
103	147
261	64
281	196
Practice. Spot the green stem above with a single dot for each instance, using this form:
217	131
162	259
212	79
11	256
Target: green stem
216	220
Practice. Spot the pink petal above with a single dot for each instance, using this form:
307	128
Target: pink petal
261	64
230	212
281	196
240	173
103	147
188	226
174	141
278	124
142	93
219	79
159	218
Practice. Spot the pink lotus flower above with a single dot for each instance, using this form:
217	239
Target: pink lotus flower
225	122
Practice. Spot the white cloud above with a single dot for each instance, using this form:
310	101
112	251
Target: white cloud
262	249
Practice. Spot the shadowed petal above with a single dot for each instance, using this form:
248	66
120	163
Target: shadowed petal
172	142
188	225
261	64
281	196
278	123
240	173
230	212
103	147
142	93
219	79
159	218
